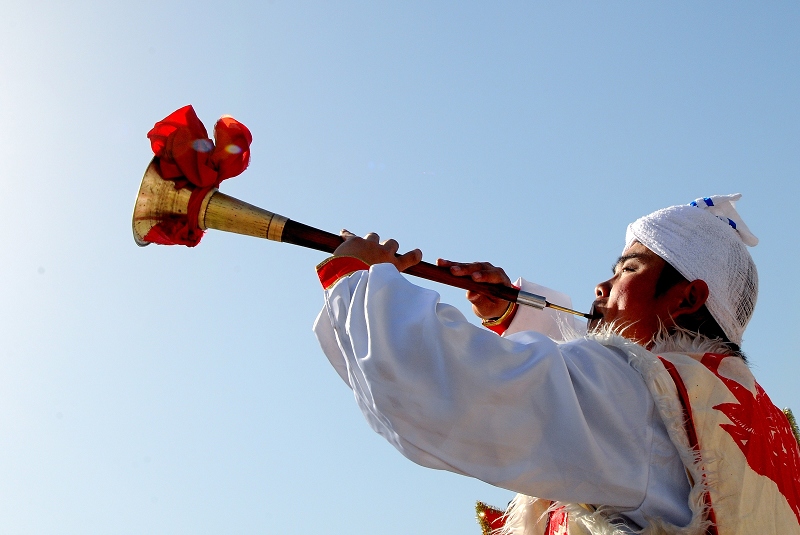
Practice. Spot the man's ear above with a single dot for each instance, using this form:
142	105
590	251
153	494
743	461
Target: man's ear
694	296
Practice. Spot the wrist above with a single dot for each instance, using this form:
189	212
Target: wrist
500	324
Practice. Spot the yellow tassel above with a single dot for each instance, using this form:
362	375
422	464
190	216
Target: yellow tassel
480	510
793	423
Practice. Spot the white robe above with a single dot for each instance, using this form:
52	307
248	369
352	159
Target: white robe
571	422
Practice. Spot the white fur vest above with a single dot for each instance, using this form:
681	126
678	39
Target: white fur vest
738	449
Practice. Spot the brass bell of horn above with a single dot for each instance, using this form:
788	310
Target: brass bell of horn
159	201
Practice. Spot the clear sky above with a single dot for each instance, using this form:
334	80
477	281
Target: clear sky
174	390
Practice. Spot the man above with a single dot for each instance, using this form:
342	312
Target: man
652	422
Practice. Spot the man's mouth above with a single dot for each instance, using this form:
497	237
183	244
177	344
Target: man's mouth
596	315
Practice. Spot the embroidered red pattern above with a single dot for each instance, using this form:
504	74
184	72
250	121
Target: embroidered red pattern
557	522
763	433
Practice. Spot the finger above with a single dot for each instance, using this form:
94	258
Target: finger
346	234
475	266
456	268
486	307
482	275
468	269
449	263
475	298
391	245
411	258
445	262
494	276
372	237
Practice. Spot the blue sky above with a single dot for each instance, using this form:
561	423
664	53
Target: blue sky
174	390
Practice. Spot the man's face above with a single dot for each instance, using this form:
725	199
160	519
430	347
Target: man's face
628	299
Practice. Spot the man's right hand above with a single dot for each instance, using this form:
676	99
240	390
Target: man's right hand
371	251
483	306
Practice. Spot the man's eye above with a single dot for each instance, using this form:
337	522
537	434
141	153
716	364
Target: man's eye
623	268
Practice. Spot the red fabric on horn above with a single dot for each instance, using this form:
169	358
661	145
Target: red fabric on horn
189	158
232	153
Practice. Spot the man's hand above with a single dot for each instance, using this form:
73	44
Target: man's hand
372	252
483	306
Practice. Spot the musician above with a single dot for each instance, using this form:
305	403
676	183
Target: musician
650	421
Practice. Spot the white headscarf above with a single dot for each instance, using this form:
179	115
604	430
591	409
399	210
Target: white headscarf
707	240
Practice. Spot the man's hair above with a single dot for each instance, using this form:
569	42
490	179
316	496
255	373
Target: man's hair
701	321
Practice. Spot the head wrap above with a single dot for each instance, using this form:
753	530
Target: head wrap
707	240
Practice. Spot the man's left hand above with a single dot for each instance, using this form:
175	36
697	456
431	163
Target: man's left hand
484	306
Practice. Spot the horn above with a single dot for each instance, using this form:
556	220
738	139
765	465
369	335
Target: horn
158	201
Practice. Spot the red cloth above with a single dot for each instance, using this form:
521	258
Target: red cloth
336	267
185	155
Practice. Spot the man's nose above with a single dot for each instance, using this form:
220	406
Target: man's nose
603	289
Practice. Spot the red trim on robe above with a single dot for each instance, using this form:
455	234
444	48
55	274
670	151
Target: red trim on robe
338	267
501	324
683	395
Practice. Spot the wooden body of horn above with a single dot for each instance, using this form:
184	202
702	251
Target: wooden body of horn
158	201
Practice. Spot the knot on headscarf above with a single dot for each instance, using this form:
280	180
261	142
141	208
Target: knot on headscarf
724	207
707	239
185	155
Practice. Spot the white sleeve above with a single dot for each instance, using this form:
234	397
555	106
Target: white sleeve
546	321
566	422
